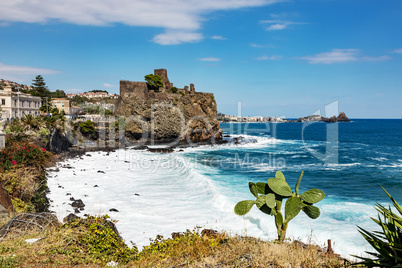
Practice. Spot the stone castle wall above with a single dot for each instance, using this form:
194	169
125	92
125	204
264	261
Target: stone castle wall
165	115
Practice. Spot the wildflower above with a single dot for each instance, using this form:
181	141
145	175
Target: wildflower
27	150
14	162
43	149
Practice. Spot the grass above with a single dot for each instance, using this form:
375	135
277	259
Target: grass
92	243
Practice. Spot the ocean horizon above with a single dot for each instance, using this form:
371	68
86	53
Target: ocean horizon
157	194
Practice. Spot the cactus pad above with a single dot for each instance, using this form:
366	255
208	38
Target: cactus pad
298	183
253	188
312	196
280	187
292	207
270	200
243	207
260	201
312	211
279	175
262	187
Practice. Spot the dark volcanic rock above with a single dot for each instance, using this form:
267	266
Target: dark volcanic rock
70	217
78	204
161	150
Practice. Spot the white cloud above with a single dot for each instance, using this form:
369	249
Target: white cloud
260	46
109	85
269	58
218	37
23	70
212	59
177	37
341	56
398	50
276	25
174	16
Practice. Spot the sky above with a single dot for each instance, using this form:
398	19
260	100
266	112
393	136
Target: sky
275	57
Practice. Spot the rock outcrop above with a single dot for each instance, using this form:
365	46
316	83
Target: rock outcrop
342	117
167	116
316	118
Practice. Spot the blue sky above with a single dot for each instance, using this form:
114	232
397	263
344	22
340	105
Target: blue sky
279	58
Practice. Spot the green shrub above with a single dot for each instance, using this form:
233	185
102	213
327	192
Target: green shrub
88	129
269	197
173	89
23	153
44	132
388	242
101	241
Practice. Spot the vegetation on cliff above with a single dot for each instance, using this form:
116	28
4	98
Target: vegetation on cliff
22	173
94	242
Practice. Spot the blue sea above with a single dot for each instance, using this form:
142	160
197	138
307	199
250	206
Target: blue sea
164	193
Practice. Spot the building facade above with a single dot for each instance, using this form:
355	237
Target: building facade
17	104
62	104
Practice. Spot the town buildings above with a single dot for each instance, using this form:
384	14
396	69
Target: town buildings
17	104
94	95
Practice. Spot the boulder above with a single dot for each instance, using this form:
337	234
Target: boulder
78	204
70	217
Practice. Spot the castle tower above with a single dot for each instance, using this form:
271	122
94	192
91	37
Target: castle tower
165	80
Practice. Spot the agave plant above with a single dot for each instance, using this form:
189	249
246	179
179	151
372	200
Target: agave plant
270	196
388	242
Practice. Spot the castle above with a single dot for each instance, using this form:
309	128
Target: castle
165	114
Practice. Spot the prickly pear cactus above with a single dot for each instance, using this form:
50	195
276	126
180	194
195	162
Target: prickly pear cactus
269	198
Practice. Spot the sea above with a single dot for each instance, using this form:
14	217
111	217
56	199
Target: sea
198	187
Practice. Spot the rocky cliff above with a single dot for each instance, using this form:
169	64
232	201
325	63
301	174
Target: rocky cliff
167	116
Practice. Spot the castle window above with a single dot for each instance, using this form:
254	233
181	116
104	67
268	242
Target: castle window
3	102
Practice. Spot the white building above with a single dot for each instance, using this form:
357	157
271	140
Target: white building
17	104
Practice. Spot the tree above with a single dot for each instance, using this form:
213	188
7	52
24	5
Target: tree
39	88
154	81
77	100
98	90
58	94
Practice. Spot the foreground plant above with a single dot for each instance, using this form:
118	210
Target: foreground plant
269	197
388	242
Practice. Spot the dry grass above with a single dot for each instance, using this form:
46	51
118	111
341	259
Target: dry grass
227	251
65	246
